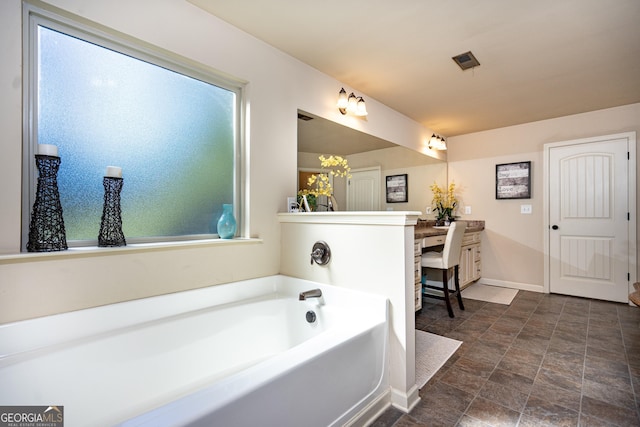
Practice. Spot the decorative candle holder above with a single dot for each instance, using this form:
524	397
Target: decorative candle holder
46	230
111	223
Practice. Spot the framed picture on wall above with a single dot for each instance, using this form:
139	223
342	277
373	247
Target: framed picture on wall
513	180
397	189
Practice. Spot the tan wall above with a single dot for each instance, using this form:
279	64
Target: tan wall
419	178
422	171
512	245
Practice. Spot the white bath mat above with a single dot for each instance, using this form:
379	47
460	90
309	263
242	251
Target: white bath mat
495	294
432	351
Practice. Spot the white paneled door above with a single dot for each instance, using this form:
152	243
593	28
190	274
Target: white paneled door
588	189
363	190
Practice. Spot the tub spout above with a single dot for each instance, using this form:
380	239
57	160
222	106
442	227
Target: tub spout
313	293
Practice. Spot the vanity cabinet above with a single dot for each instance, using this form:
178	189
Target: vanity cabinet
470	267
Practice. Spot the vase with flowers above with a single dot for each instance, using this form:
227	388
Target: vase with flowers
444	203
319	184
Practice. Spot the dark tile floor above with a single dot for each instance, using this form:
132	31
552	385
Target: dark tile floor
544	360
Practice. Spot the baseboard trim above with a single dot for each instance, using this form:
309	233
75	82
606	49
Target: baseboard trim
513	285
405	401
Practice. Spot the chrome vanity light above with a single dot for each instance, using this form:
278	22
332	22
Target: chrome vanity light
436	142
352	104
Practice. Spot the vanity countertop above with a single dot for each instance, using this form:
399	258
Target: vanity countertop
426	228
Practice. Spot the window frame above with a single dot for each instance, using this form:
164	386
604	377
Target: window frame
91	32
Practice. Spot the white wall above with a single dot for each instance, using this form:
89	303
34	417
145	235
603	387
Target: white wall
33	285
512	243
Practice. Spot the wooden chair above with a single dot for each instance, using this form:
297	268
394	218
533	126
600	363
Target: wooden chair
446	260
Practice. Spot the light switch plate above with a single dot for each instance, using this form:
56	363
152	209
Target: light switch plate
526	209
292	204
427	210
467	210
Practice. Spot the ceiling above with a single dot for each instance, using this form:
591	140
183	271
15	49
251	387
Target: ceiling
538	59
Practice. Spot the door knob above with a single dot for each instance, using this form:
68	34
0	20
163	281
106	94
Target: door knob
555	227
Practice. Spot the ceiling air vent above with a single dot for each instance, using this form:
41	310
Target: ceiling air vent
304	117
466	60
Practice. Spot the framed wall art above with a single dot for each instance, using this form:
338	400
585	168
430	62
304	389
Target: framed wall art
513	180
397	189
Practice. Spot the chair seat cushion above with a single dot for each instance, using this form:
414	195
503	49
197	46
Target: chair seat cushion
432	260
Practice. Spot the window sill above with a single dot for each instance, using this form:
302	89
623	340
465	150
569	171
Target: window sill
90	251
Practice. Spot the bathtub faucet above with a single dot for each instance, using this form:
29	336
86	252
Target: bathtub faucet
317	254
313	293
320	253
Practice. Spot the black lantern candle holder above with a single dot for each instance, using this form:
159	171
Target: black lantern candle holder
46	229
111	223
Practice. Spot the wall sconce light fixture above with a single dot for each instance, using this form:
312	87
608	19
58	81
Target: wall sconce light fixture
436	142
352	104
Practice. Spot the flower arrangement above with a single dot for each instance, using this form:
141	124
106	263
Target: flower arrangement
319	184
444	203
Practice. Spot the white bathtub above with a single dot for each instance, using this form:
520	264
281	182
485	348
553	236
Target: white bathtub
230	355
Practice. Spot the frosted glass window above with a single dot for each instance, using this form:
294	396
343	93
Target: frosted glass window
174	136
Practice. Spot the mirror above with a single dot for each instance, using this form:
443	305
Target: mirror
371	159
